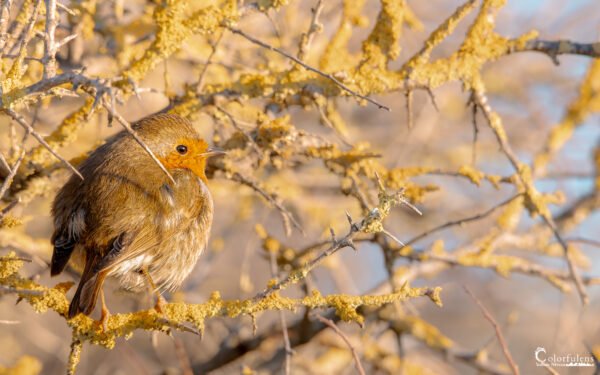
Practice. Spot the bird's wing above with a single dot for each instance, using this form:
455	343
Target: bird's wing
66	235
129	246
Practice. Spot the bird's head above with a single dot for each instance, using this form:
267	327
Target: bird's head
176	143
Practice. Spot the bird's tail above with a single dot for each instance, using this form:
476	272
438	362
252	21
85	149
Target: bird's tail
88	289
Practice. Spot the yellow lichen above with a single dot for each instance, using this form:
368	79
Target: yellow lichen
423	331
587	103
9	221
510	217
472	174
64	134
26	365
173	27
123	325
9	264
336	55
383	44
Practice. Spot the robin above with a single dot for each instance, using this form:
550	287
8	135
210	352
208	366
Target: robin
127	219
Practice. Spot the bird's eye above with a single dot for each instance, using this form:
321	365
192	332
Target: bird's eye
182	149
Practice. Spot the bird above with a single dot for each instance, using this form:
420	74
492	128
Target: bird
130	221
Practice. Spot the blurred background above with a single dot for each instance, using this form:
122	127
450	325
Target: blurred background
530	93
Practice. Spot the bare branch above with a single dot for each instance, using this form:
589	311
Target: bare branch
490	318
215	45
587	241
21	121
461	221
331	324
554	48
66	9
13	172
496	126
346	241
286	338
285	213
237	127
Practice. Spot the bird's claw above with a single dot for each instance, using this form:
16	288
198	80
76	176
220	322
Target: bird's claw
160	303
105	315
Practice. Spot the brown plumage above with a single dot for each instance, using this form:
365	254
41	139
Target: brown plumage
127	220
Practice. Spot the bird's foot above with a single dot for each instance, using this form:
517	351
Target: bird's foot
104	315
160	304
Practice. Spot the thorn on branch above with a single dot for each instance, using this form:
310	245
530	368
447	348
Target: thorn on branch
554	48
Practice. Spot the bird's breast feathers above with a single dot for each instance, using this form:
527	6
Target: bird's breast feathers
184	225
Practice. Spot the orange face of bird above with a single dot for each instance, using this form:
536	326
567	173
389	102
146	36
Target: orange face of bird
191	154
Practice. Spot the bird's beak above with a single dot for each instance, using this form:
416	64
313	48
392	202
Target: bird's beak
213	151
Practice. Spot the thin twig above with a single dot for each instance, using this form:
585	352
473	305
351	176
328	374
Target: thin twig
494	123
4	162
331	324
475	129
409	100
313	29
570	261
327	122
285	213
9	322
306	66
393	237
286	338
490	318
521	267
8	207
13	172
66	9
237	127
461	221
66	40
29	292
346	241
21	121
208	62
554	48
587	241
135	136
